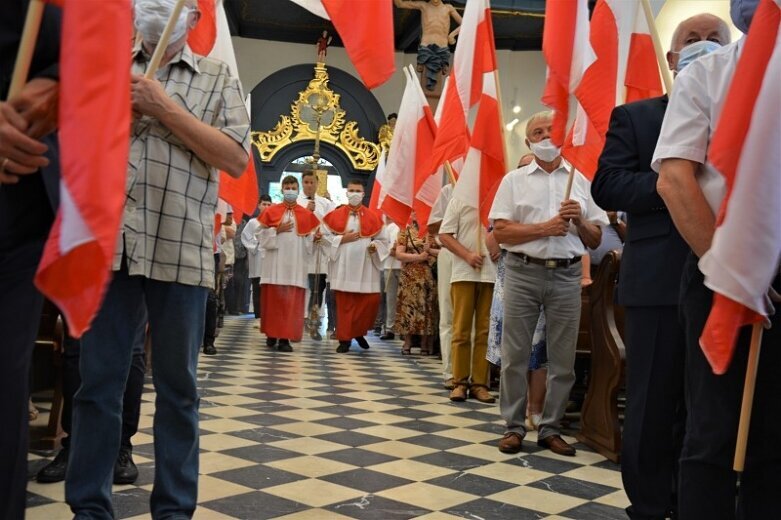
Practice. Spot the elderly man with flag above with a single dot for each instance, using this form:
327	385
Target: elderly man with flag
546	235
190	123
358	248
723	190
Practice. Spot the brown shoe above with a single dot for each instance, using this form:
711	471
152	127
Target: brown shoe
458	394
557	445
481	393
450	384
511	443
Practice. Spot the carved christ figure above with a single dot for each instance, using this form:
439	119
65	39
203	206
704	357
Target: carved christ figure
322	46
433	53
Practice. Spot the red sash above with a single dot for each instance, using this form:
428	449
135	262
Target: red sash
306	221
337	220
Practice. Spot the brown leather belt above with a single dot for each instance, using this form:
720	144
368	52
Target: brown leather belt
548	263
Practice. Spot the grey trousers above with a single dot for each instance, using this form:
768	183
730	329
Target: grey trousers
391	296
527	286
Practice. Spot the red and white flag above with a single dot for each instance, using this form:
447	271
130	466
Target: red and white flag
377	194
484	166
568	53
94	135
408	159
745	149
202	37
625	69
366	30
242	193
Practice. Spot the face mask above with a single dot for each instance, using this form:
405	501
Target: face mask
741	12
355	199
290	196
691	52
151	17
545	150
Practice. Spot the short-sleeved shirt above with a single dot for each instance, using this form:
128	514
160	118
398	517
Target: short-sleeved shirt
462	221
168	221
693	114
438	211
530	195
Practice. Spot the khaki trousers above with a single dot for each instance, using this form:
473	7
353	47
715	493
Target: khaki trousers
471	306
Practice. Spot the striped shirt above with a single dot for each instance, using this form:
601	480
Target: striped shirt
168	221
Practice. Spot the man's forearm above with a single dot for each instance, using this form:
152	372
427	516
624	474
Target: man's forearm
211	145
454	246
515	233
688	207
590	234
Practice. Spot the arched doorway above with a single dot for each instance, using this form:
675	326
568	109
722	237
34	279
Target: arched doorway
272	100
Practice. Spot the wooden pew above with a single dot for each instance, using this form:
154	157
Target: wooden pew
600	425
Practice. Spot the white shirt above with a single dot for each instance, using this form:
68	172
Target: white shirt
693	114
530	195
227	243
438	211
353	268
323	206
285	255
249	238
462	221
392	232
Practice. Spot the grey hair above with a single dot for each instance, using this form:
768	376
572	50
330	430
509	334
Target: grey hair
545	114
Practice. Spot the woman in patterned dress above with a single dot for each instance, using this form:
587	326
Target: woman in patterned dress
416	308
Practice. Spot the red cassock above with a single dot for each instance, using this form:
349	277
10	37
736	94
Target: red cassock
355	313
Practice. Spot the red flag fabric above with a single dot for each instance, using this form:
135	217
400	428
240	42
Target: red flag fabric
625	70
366	30
567	52
201	39
484	166
94	135
745	149
408	160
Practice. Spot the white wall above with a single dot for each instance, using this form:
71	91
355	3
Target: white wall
521	74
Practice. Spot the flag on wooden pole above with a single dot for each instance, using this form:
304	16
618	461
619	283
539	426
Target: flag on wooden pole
94	135
745	149
202	37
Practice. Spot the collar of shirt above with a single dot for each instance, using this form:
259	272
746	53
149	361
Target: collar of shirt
185	56
533	167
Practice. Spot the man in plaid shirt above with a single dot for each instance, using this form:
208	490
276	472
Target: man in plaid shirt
190	123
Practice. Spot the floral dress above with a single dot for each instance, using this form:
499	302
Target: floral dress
416	306
539	354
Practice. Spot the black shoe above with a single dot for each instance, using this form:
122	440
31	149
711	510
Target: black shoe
271	342
316	336
284	346
55	470
343	347
377	331
209	350
387	336
125	470
362	342
220	322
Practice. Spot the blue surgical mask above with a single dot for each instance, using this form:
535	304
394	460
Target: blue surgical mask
741	12
697	49
290	196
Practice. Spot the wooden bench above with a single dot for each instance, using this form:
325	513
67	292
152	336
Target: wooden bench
600	422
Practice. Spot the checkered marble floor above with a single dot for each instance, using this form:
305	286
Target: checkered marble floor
366	435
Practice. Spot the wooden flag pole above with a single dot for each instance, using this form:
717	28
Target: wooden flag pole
748	398
570	179
502	128
24	57
450	175
162	45
660	57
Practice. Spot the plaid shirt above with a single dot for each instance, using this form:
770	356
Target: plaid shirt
168	222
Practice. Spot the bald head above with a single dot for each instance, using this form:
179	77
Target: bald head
699	27
525	160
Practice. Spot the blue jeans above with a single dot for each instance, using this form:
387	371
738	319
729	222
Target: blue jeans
176	319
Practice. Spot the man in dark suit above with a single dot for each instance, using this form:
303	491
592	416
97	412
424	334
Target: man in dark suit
28	188
648	287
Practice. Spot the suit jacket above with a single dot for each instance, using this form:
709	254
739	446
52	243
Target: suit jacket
654	251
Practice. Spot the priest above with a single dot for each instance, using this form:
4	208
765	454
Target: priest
358	247
287	232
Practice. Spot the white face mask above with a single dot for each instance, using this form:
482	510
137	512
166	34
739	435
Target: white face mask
290	196
151	17
355	199
545	150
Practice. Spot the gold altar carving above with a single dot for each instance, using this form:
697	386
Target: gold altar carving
301	125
